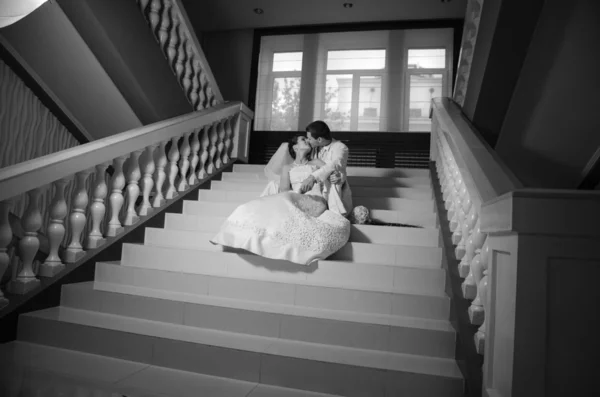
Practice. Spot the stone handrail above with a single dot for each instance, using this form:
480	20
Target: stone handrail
520	251
201	144
175	35
470	175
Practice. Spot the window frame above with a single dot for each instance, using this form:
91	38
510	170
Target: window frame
394	112
408	72
356	75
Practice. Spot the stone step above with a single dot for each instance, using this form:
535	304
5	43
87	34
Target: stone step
351	171
242	196
411	212
421	237
405	335
209	208
417	182
294	364
366	254
337	272
357	191
237	279
31	369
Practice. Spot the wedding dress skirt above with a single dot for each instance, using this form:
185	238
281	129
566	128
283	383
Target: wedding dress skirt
280	226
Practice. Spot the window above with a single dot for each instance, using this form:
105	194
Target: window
379	80
352	101
287	62
427	59
427	75
356	59
285	104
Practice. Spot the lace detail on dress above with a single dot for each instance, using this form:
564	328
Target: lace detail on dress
319	237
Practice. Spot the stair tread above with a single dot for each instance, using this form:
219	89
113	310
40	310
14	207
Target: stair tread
263	181
352	170
288	265
208	235
276	308
405	229
96	372
258	344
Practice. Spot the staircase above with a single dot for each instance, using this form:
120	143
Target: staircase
372	320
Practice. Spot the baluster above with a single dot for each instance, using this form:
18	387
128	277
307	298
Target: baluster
154	16
220	144
165	24
5	239
77	218
143	5
184	163
227	142
212	136
467	227
204	141
476	310
180	59
194	147
31	222
482	294
172	42
95	238
188	73
201	79
56	230
160	157
116	197
147	181
195	90
473	245
133	189
173	157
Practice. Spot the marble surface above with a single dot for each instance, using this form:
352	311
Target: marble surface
31	370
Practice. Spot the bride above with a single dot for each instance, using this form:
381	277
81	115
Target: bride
283	223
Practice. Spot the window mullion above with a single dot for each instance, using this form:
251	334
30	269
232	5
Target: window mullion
355	97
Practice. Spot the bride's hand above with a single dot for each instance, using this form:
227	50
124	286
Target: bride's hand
335	178
307	184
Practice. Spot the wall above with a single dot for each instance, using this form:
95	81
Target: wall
229	55
27	128
119	37
51	48
552	128
503	39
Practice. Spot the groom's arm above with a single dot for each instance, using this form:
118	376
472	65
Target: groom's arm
339	159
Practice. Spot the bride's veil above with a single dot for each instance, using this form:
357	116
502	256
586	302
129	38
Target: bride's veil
280	159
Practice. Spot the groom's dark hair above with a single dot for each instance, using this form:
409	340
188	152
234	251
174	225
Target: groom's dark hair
319	129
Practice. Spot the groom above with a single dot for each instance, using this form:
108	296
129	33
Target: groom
335	156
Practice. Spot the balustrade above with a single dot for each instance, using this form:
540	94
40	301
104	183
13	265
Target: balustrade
463	195
175	35
198	141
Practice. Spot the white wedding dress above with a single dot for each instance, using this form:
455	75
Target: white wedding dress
280	225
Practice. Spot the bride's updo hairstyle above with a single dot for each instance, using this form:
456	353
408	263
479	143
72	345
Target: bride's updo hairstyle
292	142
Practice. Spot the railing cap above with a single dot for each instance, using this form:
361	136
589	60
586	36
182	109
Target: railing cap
22	177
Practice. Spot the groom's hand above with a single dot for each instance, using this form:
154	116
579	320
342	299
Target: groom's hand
307	184
335	178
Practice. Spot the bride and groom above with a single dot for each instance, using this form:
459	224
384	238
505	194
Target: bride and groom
301	214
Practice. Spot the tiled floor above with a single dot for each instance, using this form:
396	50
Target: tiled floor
38	371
